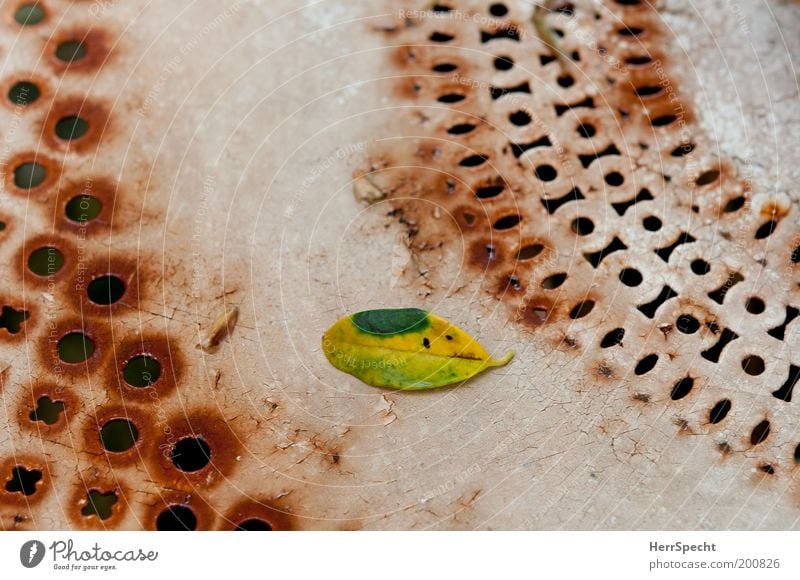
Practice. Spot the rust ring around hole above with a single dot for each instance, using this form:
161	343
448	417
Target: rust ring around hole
120	434
176	511
75	124
31	174
46	261
223	450
24	480
47	408
87	205
79	49
104	286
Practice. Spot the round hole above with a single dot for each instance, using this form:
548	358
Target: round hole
254	525
652	223
581	309
23	93
498	9
70	51
141	371
586	130
687	324
191	454
630	277
615	179
700	267
75	347
565	81
118	435
582	226
753	365
106	290
29	14
519	118
46	261
503	63
83	208
176	518
29	175
71	128
755	305
546	172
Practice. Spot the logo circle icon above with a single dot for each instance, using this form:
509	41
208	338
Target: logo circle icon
31	553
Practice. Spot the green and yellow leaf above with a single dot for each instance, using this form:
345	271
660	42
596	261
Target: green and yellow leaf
405	348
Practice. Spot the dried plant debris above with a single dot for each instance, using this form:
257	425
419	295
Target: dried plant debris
365	190
221	328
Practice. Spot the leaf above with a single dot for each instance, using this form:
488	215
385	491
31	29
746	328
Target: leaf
405	348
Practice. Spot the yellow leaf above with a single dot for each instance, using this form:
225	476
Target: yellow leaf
405	348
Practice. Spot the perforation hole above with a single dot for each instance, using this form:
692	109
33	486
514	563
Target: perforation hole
99	504
24	93
444	67
646	365
755	305
519	118
529	252
753	365
687	324
613	338
682	388
71	51
503	63
47	411
720	411
75	348
700	267
652	223
735	204
71	128
507	222
554	281
582	226
498	9
254	525
760	432
565	81
586	130
191	454
29	175
176	518
630	277
118	435
29	14
83	208
440	37
615	179
106	290
582	309
141	371
707	177
23	481
546	172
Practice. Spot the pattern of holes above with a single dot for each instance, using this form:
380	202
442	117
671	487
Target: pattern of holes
675	241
